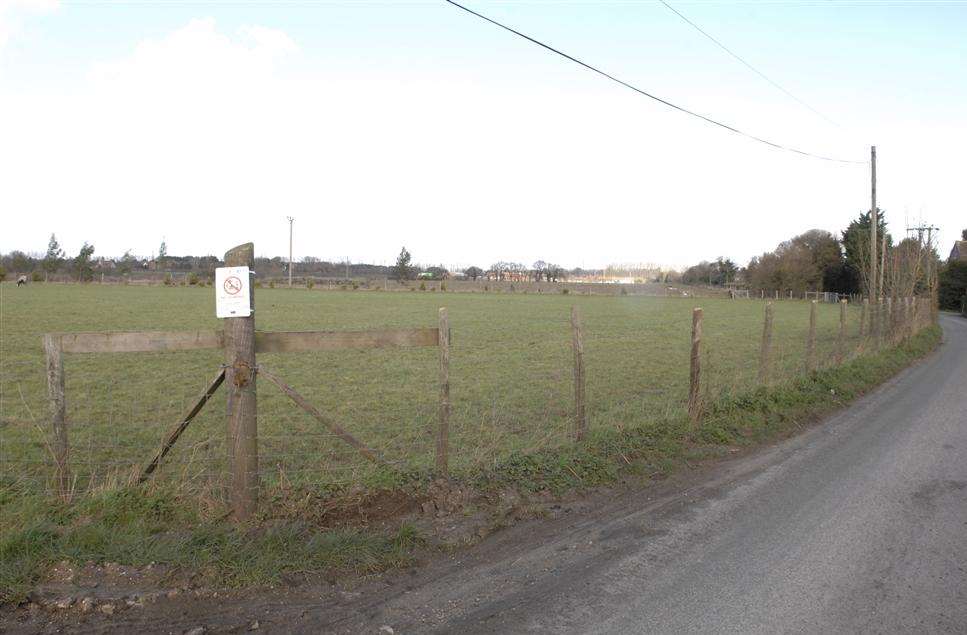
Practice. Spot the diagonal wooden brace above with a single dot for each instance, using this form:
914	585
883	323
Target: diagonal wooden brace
181	426
309	408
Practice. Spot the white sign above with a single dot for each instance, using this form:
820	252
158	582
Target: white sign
232	292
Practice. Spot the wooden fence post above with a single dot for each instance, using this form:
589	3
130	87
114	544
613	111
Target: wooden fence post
443	434
811	339
841	345
875	322
695	374
901	310
863	315
902	318
577	342
765	353
57	405
243	410
890	321
908	317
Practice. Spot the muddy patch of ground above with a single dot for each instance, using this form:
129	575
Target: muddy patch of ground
158	598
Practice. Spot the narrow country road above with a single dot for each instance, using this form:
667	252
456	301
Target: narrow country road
857	525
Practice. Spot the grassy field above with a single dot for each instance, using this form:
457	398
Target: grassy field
511	376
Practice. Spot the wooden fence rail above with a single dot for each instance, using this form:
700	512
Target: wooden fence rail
240	371
265	341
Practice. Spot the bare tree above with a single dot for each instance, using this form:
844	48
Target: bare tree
540	268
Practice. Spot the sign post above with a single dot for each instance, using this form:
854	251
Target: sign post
235	301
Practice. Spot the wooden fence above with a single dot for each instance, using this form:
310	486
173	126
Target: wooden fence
241	343
887	321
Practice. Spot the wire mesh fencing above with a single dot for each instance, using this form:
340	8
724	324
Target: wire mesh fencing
375	413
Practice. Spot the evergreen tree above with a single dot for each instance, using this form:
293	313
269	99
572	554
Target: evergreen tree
54	256
856	245
402	269
83	267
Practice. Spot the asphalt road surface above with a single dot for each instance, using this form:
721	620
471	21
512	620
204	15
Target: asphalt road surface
857	525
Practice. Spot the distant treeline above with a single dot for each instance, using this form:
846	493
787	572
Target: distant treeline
818	260
56	264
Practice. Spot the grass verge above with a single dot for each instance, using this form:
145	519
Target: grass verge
741	420
137	527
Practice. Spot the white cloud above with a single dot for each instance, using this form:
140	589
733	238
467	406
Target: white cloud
197	56
13	13
211	138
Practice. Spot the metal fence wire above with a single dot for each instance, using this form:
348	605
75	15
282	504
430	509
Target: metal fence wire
512	391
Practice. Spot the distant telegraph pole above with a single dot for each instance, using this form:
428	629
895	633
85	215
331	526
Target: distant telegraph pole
930	229
290	219
873	225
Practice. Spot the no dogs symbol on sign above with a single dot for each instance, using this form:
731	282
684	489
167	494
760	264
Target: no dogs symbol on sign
232	294
232	285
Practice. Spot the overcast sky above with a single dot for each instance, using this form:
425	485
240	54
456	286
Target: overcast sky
379	124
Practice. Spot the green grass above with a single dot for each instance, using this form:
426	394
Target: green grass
737	420
511	378
136	528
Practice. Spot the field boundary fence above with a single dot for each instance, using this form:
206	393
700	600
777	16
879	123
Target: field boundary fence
56	345
794	341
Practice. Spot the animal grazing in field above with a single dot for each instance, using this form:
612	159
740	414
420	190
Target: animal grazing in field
21	281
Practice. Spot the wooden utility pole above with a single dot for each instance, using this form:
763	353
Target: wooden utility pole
874	293
240	379
882	263
291	219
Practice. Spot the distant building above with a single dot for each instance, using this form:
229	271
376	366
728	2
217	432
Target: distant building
959	252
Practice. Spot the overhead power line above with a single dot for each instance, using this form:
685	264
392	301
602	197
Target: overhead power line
649	95
746	64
